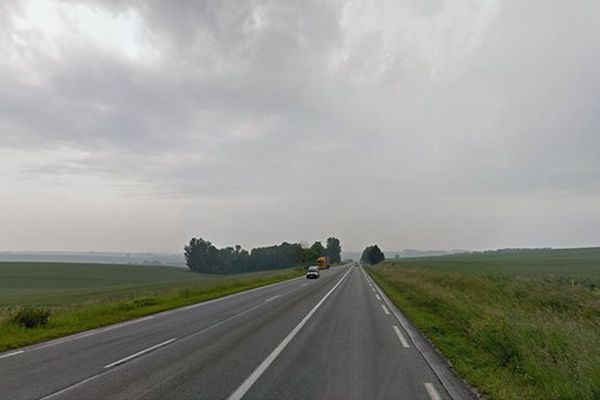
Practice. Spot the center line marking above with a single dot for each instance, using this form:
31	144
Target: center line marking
401	337
431	391
139	353
385	310
257	373
272	298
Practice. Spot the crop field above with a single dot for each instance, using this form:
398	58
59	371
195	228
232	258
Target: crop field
515	324
85	296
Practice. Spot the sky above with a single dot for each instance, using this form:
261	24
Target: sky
428	124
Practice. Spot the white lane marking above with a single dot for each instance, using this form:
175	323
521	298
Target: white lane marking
385	309
401	337
373	290
90	333
304	284
160	314
272	298
14	353
139	353
67	389
91	378
247	384
432	391
377	296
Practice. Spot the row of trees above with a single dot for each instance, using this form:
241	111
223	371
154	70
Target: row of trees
202	256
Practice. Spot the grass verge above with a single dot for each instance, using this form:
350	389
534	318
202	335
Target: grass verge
72	317
511	336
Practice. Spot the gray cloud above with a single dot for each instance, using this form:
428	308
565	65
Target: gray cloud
366	115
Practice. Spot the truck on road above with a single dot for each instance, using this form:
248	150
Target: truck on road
323	262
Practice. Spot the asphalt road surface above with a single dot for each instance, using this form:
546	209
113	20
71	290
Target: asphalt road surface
332	338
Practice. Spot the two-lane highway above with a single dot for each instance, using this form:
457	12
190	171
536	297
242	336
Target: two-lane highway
331	338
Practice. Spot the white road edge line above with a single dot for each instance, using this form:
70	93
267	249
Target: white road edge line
401	337
90	333
432	391
385	309
91	378
257	373
139	353
160	314
14	353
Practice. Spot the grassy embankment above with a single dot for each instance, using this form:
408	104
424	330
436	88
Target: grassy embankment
516	325
86	296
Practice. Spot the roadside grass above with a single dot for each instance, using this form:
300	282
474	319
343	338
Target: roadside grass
107	295
513	333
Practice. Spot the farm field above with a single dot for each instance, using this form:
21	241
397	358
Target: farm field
515	324
85	296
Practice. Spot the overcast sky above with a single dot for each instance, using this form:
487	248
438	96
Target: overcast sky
134	125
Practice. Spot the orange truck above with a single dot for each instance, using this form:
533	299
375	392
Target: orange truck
323	262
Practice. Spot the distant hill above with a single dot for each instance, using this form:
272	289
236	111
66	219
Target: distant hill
407	253
167	259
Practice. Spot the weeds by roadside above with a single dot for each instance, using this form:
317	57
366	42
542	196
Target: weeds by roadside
512	337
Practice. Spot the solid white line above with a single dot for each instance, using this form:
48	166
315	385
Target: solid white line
139	353
385	310
272	298
378	298
401	337
247	384
14	353
431	391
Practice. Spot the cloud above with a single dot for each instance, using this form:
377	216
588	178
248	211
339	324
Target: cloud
266	104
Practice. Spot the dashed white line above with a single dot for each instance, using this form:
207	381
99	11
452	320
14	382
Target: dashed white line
377	296
401	337
385	309
139	353
272	298
432	391
373	290
257	373
90	333
14	353
69	388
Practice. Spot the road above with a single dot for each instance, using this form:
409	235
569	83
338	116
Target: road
331	338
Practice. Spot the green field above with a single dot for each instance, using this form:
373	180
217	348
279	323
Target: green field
85	296
515	324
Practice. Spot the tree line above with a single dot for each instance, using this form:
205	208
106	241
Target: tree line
202	256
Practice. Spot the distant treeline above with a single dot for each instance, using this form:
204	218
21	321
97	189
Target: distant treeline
202	256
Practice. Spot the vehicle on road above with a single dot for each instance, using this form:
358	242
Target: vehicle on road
313	272
323	262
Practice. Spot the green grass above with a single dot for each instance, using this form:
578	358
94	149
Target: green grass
516	325
86	296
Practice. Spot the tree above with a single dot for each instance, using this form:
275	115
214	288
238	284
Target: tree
197	254
372	255
202	256
333	250
318	249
